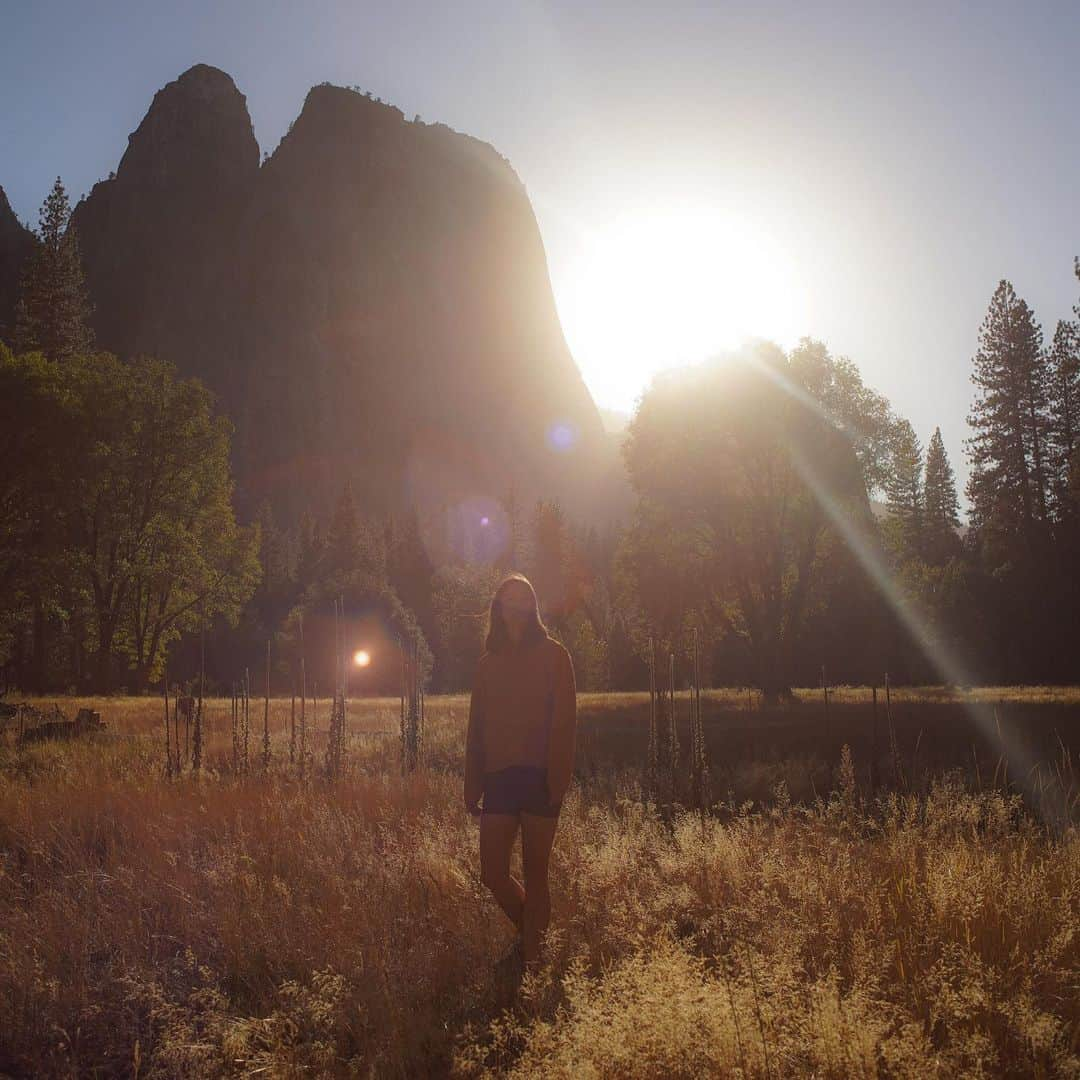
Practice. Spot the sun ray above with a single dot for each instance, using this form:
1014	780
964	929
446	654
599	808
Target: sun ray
863	546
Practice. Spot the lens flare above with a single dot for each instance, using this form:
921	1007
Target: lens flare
561	436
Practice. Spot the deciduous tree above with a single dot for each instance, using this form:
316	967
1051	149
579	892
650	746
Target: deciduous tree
147	509
753	458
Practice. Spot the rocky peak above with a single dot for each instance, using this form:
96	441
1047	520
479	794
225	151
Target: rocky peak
7	215
371	305
158	239
335	104
197	129
403	261
16	244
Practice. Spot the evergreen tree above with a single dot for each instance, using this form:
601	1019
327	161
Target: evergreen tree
355	545
1008	483
548	574
1010	493
942	507
589	652
51	317
626	666
512	557
460	595
273	554
343	545
410	569
312	548
53	310
277	589
1064	378
904	489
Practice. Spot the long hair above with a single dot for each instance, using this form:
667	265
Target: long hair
497	638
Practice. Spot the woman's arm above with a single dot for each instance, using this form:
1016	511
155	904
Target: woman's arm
563	727
474	747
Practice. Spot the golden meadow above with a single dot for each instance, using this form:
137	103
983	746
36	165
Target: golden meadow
810	924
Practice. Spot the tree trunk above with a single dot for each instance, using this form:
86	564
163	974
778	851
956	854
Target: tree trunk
77	630
103	659
39	673
772	670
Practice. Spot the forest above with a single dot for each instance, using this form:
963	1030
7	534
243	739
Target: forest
782	507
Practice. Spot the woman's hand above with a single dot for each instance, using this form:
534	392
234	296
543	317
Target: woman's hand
473	808
563	727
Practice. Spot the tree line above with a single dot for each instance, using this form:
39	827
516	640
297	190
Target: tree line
782	508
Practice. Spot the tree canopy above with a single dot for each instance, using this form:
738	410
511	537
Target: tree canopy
744	462
127	483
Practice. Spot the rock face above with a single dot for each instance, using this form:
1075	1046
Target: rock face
16	245
372	304
159	239
403	264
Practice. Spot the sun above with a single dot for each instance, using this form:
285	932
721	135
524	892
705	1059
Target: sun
361	658
659	288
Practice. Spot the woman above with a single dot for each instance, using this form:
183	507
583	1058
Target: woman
519	754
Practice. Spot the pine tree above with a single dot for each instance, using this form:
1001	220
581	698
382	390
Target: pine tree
53	310
409	567
274	554
343	546
904	489
548	572
512	556
1064	377
311	551
1008	482
353	544
942	507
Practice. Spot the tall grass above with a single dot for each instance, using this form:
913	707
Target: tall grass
227	924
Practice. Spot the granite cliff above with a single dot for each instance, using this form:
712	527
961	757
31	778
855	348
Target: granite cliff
371	303
16	245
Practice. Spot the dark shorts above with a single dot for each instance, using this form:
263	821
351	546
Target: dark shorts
517	788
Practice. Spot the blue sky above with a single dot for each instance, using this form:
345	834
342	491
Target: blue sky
903	157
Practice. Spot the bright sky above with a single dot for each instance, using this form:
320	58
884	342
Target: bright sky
860	173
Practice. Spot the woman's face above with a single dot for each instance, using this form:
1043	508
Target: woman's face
517	607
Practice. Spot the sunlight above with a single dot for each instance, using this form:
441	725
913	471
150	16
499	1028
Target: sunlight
361	658
864	546
656	289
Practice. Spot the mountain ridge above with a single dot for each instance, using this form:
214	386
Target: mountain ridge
16	245
371	303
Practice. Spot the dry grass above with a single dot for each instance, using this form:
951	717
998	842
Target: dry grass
226	927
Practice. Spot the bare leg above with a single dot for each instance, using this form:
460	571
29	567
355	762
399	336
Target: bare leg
497	835
537	837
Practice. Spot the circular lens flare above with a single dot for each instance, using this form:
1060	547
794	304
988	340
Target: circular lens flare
561	436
